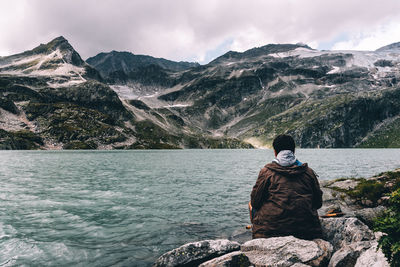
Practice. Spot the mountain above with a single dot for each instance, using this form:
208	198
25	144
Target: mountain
126	67
50	98
322	98
56	60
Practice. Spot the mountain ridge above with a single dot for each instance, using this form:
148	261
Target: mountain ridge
123	66
240	99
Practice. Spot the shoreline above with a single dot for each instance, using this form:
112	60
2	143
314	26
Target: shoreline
359	213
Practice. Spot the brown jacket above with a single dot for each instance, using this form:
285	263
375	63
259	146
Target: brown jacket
286	200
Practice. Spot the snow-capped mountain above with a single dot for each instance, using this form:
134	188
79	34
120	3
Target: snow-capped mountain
56	60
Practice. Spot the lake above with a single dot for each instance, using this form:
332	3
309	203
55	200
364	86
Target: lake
126	208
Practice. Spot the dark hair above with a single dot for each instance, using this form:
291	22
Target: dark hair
283	142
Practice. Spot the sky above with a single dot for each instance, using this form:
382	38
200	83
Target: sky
197	30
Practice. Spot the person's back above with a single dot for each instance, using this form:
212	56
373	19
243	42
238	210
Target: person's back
286	197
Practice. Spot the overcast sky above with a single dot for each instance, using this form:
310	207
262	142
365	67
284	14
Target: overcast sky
197	30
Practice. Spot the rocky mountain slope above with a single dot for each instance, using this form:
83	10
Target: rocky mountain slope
51	98
121	67
323	98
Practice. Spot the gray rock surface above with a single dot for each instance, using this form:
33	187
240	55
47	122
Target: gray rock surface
193	254
367	215
345	184
233	259
344	231
334	199
348	254
372	258
286	251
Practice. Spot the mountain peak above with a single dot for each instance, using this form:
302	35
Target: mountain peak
56	58
69	54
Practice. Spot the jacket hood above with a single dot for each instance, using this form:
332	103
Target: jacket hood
285	158
293	170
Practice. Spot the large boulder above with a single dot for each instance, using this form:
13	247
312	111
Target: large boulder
348	254
193	254
287	251
344	231
372	258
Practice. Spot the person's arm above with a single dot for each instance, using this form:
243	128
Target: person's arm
317	193
260	190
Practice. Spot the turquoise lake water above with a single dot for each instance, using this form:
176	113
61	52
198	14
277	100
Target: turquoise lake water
126	208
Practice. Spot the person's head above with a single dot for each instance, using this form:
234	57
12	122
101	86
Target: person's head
283	142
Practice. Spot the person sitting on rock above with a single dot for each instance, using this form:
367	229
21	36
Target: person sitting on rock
286	196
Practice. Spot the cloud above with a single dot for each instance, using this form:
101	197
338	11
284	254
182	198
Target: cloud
195	29
372	39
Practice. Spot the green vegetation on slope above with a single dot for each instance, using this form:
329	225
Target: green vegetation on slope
19	140
389	223
336	121
65	123
371	189
387	136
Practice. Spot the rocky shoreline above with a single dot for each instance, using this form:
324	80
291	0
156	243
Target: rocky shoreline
347	240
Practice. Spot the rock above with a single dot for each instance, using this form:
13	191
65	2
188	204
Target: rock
232	259
193	254
367	215
286	251
345	185
367	202
372	258
348	254
344	231
336	200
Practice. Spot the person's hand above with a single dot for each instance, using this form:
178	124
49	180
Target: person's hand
250	211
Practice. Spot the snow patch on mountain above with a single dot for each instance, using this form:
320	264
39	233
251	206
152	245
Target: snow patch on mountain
125	92
177	106
46	65
334	70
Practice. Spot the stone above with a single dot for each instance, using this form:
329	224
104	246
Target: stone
345	185
336	200
286	251
367	202
193	254
367	215
344	231
348	254
233	259
372	258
